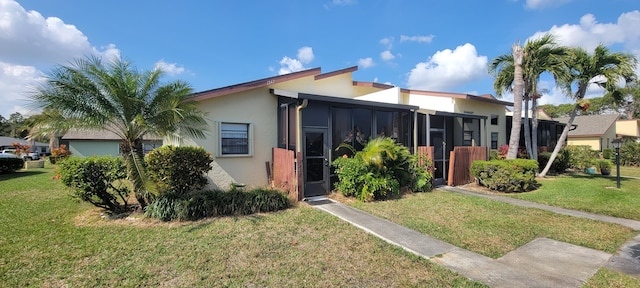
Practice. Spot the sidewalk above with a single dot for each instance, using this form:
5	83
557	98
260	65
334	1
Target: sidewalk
541	263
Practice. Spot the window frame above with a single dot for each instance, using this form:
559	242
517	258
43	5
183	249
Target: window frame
250	140
470	134
494	141
496	117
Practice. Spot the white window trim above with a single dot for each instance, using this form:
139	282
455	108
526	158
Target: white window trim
250	139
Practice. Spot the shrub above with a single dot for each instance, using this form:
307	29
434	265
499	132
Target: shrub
493	155
603	164
379	170
97	180
512	175
582	156
559	165
10	164
178	169
202	204
607	153
630	153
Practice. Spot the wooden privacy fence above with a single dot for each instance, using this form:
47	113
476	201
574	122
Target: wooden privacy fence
284	174
425	157
460	161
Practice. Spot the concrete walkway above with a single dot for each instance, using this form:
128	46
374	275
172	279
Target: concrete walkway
540	263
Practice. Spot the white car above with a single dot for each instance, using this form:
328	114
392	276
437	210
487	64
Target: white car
26	156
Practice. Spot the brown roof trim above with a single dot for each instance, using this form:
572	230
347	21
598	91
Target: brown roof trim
337	72
586	136
213	93
372	84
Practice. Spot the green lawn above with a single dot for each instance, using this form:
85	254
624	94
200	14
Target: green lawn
591	193
626	171
50	240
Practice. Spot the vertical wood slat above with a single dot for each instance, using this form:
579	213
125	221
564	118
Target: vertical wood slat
426	152
460	163
284	176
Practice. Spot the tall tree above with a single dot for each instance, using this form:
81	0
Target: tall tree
507	70
601	68
116	97
538	56
629	103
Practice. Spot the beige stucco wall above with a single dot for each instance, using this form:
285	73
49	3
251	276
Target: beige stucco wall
391	95
486	109
594	142
628	128
257	107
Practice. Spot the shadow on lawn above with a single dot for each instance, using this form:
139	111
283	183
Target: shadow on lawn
580	175
20	174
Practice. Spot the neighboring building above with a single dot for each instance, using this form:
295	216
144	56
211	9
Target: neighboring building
313	113
36	147
86	143
596	131
549	130
628	129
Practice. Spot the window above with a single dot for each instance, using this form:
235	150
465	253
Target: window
467	138
494	119
234	139
494	140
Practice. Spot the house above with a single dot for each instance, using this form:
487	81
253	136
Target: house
311	114
628	129
36	147
549	130
596	131
86	143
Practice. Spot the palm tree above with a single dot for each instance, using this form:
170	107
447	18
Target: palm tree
507	70
602	68
115	96
539	56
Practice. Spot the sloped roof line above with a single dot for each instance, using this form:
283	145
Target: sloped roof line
591	125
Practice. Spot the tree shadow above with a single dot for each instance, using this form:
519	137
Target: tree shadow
20	174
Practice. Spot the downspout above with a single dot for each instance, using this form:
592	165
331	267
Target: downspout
305	103
415	132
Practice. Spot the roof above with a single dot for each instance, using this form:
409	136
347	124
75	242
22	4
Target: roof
94	134
590	125
484	97
7	141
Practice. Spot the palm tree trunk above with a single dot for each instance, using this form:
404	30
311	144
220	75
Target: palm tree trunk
534	127
133	154
518	86
527	128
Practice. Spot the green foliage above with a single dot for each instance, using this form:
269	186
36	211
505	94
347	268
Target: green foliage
630	153
11	164
510	175
379	170
202	204
97	180
559	165
493	155
582	156
603	164
607	153
178	169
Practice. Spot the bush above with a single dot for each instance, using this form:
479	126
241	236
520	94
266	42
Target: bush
559	165
97	180
512	175
582	156
379	170
178	169
630	153
202	204
604	164
607	153
10	164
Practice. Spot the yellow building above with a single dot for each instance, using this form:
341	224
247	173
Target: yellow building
596	131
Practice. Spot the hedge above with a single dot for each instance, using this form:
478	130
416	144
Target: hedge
513	175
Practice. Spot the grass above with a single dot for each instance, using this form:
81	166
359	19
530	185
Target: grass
590	193
492	228
50	240
629	171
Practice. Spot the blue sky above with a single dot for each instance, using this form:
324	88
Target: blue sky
440	45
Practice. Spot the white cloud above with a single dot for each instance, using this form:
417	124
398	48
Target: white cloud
344	2
387	42
28	41
366	62
387	55
589	33
169	68
539	4
419	39
447	69
305	54
16	81
289	65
